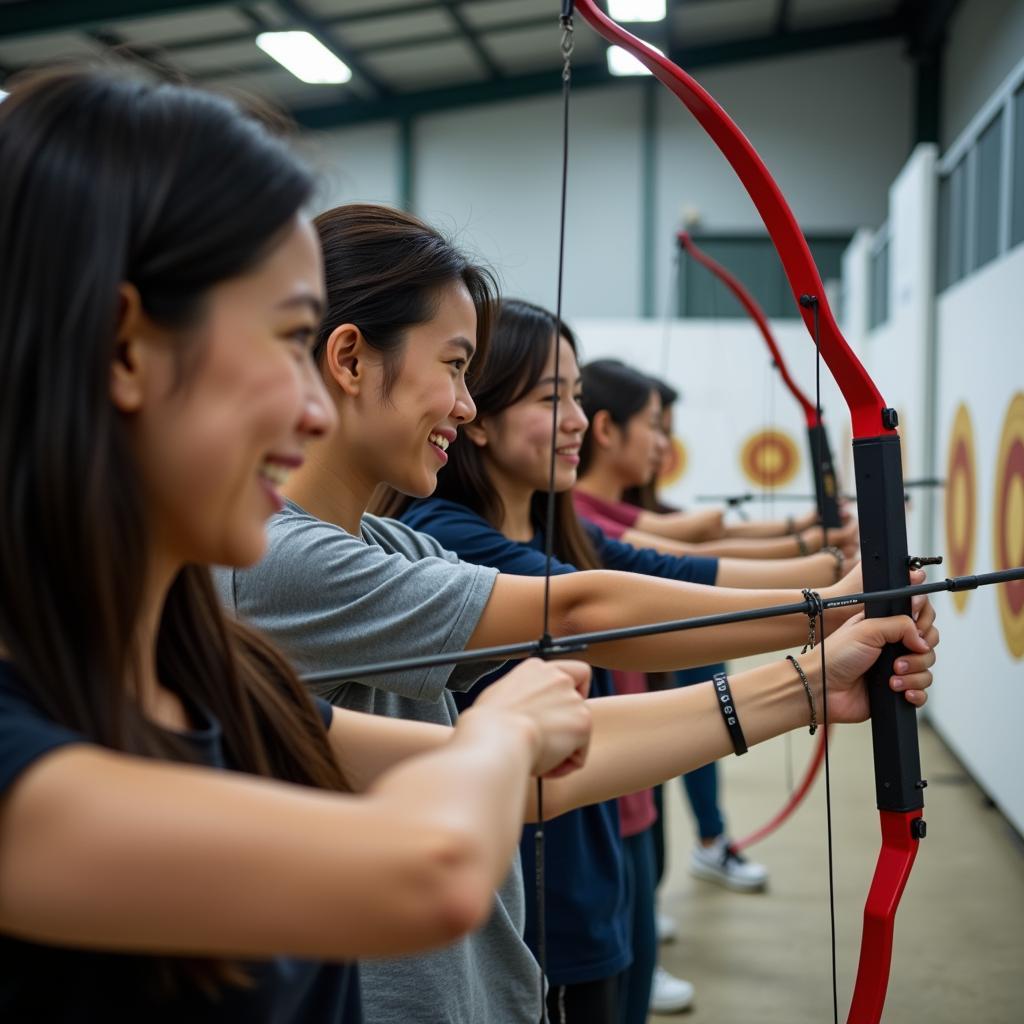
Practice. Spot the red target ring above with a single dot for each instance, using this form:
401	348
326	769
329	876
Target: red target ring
1008	536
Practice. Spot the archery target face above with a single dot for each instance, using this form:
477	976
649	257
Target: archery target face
1008	538
675	463
769	458
961	501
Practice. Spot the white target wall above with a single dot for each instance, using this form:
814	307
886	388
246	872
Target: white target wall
934	354
979	708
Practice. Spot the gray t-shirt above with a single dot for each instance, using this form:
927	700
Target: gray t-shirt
331	600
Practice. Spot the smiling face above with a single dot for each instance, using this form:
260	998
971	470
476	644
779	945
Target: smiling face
216	436
516	442
400	436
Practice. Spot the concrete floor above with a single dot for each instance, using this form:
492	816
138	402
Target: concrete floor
959	946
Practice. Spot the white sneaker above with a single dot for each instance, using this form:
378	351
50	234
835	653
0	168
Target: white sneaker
666	927
670	994
720	863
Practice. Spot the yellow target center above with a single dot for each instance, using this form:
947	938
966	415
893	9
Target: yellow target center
1015	521
771	459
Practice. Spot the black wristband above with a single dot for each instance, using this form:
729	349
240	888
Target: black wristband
728	709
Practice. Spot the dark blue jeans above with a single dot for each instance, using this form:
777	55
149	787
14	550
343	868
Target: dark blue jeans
635	981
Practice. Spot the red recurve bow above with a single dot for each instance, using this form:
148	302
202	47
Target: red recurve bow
880	507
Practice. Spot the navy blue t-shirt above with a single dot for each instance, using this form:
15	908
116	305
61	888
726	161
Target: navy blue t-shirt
63	985
587	917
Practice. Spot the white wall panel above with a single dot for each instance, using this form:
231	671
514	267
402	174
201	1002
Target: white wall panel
492	174
980	705
357	165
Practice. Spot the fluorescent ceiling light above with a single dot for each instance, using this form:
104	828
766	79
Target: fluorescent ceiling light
637	10
622	62
305	57
3	95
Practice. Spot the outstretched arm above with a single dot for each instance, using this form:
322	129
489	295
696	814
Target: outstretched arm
584	602
640	740
181	859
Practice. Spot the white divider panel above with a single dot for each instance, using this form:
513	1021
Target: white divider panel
979	706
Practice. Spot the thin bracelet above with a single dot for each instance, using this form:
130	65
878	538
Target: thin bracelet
790	526
801	544
728	709
807	688
840	560
812	620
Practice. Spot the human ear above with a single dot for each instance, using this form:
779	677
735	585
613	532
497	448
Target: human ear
476	432
127	365
344	358
602	429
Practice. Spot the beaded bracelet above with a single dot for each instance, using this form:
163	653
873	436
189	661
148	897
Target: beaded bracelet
840	560
807	687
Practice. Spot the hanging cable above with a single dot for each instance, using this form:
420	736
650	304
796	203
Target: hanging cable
549	530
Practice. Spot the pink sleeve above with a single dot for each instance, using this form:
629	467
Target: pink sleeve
619	512
637	811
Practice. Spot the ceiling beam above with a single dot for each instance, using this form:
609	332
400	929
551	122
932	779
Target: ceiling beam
28	17
468	34
150	57
782	17
585	76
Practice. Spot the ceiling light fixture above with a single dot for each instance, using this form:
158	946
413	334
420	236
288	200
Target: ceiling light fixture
305	57
637	10
621	62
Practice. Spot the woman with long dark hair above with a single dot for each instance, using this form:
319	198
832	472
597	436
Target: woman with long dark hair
179	839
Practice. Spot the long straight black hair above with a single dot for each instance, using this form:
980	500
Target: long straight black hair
106	178
519	349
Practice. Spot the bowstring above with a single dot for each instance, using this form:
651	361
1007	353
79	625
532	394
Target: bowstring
549	531
811	301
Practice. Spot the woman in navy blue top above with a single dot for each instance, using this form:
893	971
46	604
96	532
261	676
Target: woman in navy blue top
178	836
